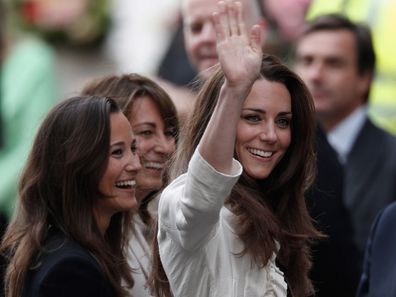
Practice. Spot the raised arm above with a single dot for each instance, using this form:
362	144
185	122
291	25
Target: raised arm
240	56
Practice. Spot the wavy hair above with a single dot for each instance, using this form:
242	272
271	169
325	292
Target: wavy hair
267	210
59	187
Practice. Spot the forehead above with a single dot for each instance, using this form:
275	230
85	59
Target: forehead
269	96
144	109
328	43
121	130
203	9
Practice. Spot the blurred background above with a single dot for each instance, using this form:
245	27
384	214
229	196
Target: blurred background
94	37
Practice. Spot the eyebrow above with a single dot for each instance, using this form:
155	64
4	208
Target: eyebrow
117	143
263	111
145	123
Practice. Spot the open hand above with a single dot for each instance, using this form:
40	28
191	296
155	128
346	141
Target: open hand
239	51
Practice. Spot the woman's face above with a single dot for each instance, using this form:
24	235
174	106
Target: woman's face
155	143
264	129
119	179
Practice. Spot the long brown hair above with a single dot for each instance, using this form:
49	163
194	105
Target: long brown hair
125	90
59	188
270	209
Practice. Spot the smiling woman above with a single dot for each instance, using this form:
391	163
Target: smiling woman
118	182
67	235
233	222
154	122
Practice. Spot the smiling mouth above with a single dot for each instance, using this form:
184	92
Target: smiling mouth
153	165
126	184
261	153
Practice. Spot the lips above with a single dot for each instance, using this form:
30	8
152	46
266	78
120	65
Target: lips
126	184
261	153
153	165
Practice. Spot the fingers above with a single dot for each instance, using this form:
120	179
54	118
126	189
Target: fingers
241	22
228	20
232	19
256	37
220	22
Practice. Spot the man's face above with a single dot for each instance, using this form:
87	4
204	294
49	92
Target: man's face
199	33
327	62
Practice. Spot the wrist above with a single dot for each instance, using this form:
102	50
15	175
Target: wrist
238	90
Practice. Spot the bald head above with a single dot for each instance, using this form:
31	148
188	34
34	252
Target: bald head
199	34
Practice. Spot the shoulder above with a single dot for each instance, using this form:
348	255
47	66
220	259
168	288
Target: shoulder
371	128
386	219
67	269
382	237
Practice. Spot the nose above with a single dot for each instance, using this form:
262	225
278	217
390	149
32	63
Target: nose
165	145
133	162
315	72
268	134
208	33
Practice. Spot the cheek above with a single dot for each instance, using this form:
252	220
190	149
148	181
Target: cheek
105	183
143	145
285	139
172	145
191	44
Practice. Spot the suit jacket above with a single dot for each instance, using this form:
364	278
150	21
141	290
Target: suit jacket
370	178
379	272
66	269
335	270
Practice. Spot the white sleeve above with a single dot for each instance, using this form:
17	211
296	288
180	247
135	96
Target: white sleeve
189	207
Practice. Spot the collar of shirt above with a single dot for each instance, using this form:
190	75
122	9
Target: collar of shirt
343	136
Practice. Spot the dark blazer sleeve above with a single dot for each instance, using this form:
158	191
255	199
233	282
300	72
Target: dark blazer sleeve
364	283
73	276
379	270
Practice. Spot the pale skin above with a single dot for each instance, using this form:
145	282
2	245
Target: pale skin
240	56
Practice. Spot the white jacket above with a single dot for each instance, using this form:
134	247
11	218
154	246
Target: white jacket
197	242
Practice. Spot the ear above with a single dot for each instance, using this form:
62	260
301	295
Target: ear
364	83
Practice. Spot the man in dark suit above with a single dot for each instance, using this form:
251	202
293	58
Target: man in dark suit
379	271
335	57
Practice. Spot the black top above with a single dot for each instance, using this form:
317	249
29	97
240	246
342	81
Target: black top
66	269
379	272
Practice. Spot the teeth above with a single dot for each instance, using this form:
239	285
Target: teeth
154	165
126	183
261	153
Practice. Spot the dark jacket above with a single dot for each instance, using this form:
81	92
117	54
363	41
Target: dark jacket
379	271
66	269
335	270
370	179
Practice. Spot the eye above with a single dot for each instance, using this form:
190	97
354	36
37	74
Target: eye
304	60
117	152
253	118
283	122
145	133
196	27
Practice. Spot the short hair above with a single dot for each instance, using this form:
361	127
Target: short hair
365	53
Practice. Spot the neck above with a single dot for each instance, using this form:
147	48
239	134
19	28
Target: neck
102	221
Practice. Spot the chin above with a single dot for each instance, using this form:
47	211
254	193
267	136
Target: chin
150	185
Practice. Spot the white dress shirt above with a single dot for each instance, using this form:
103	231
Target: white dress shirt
343	136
